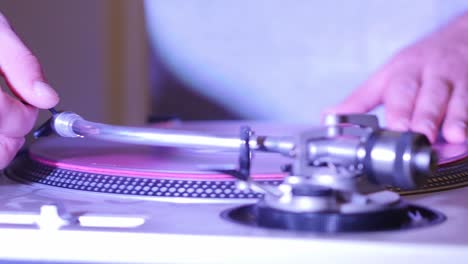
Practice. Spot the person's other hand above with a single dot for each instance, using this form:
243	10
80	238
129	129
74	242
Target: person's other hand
22	72
423	88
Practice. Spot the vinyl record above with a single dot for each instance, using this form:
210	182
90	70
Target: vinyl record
110	167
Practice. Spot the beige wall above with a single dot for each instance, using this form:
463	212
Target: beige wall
93	52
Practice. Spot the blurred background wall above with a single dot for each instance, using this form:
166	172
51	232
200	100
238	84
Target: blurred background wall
262	61
94	53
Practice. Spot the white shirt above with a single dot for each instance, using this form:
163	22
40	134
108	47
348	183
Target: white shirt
286	60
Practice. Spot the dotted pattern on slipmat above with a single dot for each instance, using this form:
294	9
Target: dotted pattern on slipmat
27	170
453	175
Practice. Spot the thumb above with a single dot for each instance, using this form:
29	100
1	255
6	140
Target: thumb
22	70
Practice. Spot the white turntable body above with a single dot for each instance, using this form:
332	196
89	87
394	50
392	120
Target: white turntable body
115	229
41	222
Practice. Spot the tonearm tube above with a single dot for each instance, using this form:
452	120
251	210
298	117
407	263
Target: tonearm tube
352	143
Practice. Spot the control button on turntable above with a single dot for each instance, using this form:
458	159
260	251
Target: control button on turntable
52	218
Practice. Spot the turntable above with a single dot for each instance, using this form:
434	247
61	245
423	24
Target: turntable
230	192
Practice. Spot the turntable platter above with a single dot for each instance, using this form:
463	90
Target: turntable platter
125	195
101	166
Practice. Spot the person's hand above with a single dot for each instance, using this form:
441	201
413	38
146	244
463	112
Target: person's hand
423	88
22	72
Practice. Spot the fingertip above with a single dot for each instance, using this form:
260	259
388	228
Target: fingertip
43	96
426	127
455	131
401	124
